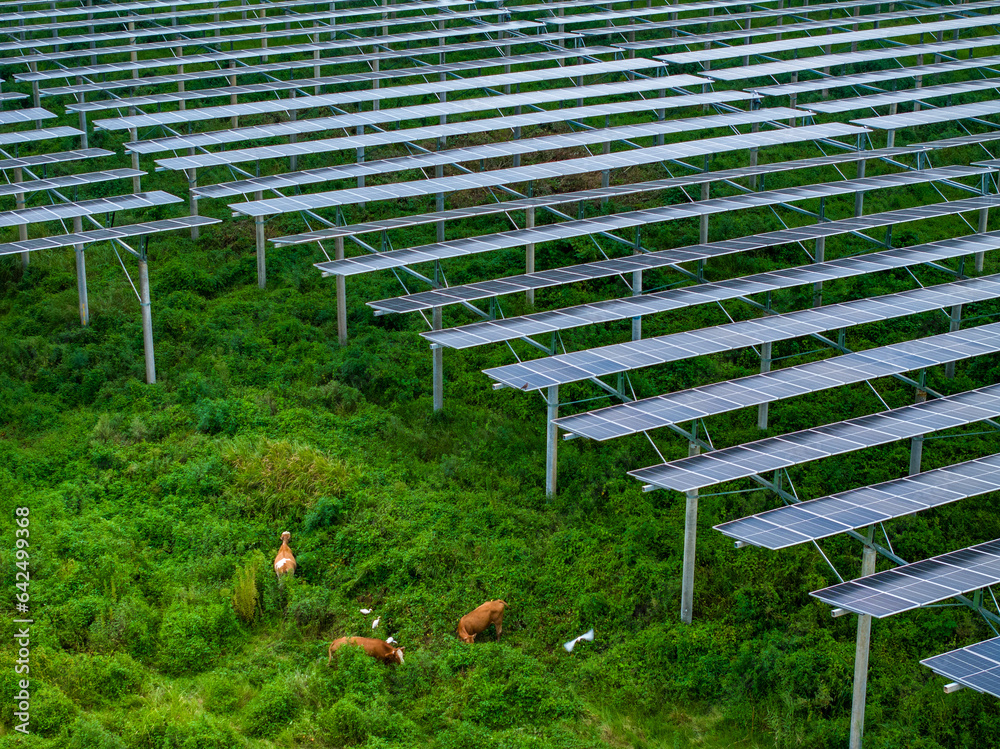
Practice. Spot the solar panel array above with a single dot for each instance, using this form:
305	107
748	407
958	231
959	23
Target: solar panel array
858	508
976	666
211	89
918	584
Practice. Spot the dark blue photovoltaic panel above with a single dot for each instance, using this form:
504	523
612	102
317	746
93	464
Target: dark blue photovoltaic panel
918	584
976	666
700	471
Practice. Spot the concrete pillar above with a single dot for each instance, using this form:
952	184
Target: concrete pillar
765	366
147	319
690	543
437	354
81	275
917	443
338	244
861	657
551	439
192	177
818	286
136	181
261	258
954	323
703	226
753	158
529	253
984	216
859	196
637	291
22	229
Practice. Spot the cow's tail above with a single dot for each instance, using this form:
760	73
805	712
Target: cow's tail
500	600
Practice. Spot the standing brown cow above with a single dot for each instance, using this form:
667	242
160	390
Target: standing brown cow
375	648
476	621
284	562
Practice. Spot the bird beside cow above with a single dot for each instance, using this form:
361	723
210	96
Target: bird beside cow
480	618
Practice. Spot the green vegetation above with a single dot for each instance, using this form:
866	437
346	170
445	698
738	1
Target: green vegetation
156	511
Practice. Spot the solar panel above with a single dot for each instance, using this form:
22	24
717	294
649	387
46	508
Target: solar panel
54	158
572	367
823	40
172	5
647	261
914	94
99	235
582	165
294	49
745	72
378	94
462	155
976	666
549	55
690	39
402	114
497	331
857	508
772	453
918	584
930	116
297	18
569	229
13	116
172	14
202	41
68	180
876	76
86	208
463	106
801	379
30	136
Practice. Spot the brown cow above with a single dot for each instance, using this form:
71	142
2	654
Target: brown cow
476	621
284	563
375	648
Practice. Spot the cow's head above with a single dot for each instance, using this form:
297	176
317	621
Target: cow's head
398	654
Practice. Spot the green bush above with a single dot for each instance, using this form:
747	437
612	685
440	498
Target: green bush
192	638
274	707
87	733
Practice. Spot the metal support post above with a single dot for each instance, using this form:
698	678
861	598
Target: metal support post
859	196
984	216
551	439
81	275
954	323
765	366
147	318
22	229
917	443
690	544
137	180
818	258
338	244
703	225
261	260
637	291
192	177
529	252
437	385
861	653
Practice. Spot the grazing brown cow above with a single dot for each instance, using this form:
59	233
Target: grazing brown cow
375	648
284	563
476	621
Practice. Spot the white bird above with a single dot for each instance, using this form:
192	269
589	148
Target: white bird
389	640
366	612
375	623
572	643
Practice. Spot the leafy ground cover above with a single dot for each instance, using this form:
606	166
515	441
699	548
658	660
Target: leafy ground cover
156	511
